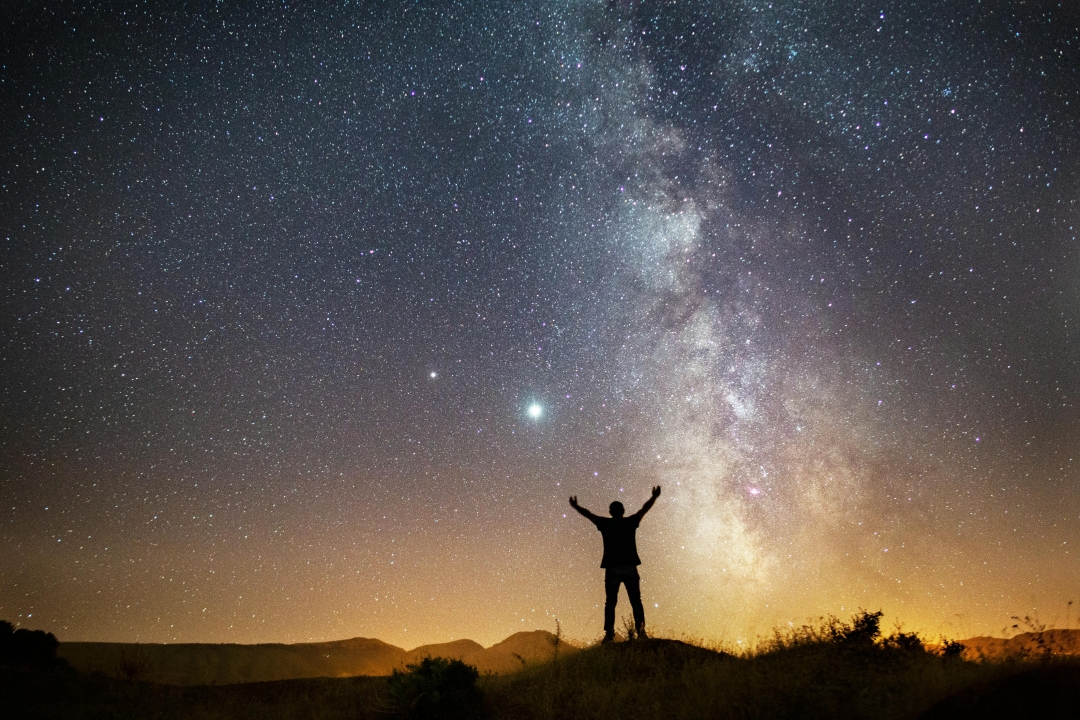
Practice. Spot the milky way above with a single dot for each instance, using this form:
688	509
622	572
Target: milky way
313	317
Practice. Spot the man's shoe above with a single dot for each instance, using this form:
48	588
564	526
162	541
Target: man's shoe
607	639
641	634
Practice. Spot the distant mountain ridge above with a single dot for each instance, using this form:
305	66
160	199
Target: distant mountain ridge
1028	644
225	664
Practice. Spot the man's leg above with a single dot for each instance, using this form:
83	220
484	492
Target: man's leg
611	589
633	589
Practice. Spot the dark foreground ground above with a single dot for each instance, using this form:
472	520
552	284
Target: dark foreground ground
641	679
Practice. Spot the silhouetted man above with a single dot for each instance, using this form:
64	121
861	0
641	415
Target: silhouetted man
620	559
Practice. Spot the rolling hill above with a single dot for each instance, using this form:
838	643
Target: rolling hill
1028	644
224	664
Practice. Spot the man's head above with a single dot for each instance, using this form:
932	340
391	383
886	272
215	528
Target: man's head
616	509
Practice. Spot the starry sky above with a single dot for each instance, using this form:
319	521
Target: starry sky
313	315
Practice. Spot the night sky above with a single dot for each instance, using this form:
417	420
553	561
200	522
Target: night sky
280	285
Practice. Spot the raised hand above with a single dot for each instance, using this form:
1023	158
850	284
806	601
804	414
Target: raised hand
656	491
573	501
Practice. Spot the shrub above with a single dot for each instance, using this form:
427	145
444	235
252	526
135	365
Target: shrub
909	642
26	647
135	663
951	648
435	688
864	630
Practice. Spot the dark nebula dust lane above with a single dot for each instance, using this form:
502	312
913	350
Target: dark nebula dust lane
312	317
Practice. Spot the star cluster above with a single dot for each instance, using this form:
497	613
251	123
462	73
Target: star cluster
313	316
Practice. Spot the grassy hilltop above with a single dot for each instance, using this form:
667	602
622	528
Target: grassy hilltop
819	679
832	670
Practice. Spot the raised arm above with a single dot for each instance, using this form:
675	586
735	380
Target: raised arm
583	511
648	503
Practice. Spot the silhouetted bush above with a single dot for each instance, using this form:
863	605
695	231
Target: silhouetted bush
436	688
864	630
136	663
26	647
908	642
951	648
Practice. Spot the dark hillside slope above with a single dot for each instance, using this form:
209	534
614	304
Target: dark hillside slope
670	679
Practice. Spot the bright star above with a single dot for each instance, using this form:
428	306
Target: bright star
535	411
434	374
